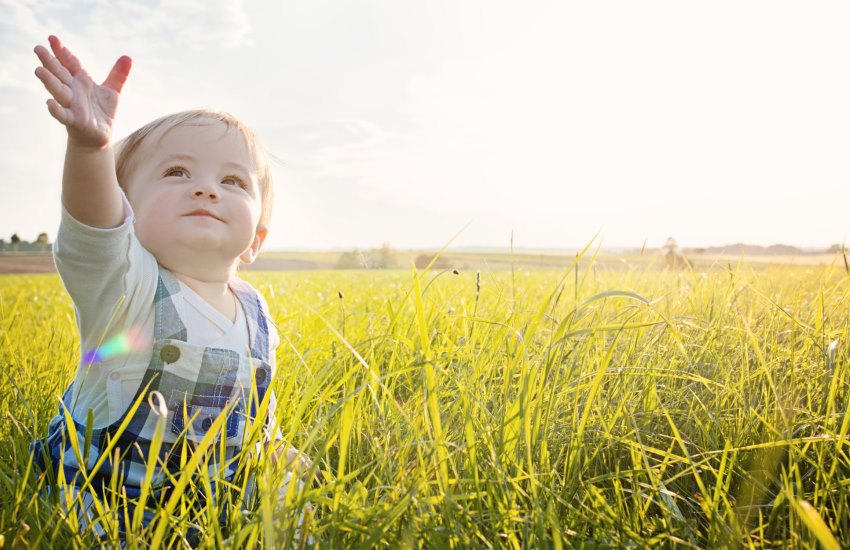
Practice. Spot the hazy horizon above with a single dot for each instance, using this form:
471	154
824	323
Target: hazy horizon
409	122
602	247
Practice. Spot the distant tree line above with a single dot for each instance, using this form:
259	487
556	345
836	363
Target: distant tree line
424	260
376	258
758	250
678	258
16	244
385	258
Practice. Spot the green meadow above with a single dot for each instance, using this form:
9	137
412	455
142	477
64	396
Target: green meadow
567	407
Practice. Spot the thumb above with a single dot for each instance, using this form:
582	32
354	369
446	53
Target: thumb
118	75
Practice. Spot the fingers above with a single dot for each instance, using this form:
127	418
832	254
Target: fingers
297	457
301	464
52	64
305	471
60	92
64	65
60	113
56	80
64	55
118	75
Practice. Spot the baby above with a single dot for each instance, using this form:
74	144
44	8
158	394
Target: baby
148	247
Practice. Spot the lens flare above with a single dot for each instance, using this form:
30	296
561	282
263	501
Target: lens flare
120	344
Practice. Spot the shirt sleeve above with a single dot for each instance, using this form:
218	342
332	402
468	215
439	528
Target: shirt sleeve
111	279
99	266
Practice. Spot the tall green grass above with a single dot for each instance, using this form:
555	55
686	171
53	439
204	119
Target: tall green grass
539	409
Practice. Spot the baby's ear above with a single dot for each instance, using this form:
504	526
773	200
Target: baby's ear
250	255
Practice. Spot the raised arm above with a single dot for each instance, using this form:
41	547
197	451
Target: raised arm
90	190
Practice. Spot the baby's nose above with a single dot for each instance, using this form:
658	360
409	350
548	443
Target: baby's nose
206	191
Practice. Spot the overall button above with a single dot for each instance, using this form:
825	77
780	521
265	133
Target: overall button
260	376
169	354
207	423
115	376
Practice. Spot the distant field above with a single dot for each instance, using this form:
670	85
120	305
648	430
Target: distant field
26	263
633	407
308	261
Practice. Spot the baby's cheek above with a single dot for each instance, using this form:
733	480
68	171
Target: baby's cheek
154	233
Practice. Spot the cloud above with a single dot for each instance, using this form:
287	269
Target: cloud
97	29
340	147
170	24
333	150
20	30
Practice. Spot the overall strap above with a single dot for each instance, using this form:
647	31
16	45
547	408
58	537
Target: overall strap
167	322
255	315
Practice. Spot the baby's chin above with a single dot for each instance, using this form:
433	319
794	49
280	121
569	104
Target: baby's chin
198	253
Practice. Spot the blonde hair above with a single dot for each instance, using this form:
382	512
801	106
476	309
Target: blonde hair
127	149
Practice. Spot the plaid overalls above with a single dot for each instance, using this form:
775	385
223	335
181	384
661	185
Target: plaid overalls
197	383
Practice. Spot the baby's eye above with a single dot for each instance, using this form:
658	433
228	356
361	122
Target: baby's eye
235	180
177	171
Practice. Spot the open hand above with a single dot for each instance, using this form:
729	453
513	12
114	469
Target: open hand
86	109
295	460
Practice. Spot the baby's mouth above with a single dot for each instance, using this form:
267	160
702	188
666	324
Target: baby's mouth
202	212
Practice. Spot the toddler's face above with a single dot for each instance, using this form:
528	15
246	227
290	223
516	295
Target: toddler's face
194	190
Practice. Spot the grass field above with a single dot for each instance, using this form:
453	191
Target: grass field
540	408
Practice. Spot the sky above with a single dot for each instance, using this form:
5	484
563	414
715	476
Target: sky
412	123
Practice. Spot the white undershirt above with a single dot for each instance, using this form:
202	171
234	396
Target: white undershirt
207	326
